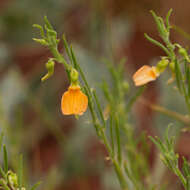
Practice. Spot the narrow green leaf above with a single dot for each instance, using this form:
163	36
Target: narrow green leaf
162	146
188	183
74	58
167	19
157	143
178	75
180	83
47	23
187	77
158	21
157	44
78	68
1	139
91	108
3	174
119	153
99	108
186	168
51	32
41	41
5	159
111	134
186	70
66	45
167	140
20	171
35	186
131	177
164	33
41	29
107	93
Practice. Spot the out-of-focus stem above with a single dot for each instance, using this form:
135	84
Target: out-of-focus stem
175	115
120	175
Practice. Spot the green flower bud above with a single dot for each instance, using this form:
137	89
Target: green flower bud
74	75
50	68
126	86
50	65
41	41
172	66
184	53
162	64
12	179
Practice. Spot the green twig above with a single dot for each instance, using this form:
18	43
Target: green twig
157	44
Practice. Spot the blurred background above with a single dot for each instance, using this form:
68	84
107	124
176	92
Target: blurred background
59	150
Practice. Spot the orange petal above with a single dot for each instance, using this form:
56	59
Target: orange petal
144	75
74	102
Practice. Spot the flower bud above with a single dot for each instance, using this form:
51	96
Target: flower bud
12	179
74	75
125	86
162	64
50	68
184	53
172	66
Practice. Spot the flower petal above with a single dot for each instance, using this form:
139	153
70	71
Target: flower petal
144	75
74	102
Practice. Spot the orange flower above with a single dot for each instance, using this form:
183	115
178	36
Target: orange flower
145	74
74	101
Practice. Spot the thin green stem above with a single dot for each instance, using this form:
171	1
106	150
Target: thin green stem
59	57
157	44
80	71
119	153
181	177
111	135
67	48
120	175
99	108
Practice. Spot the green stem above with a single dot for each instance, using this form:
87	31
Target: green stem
181	177
99	108
97	127
111	134
120	175
157	44
59	57
119	153
77	66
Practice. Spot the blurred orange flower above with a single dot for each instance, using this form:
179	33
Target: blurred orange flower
74	101
144	75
